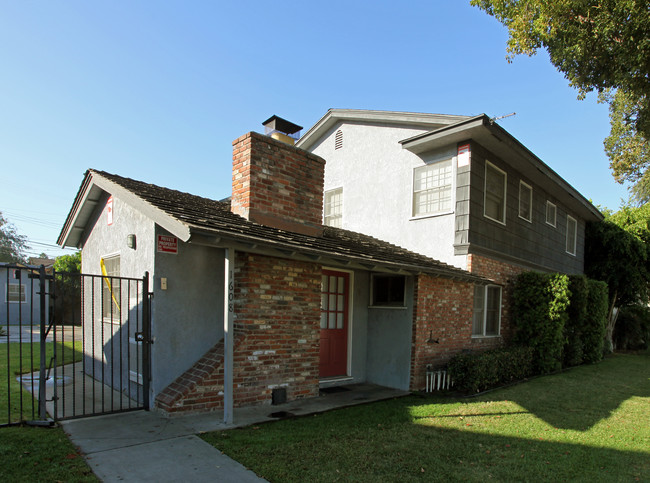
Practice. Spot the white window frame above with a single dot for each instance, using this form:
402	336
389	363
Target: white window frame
111	316
427	166
21	292
483	310
489	165
548	205
574	235
530	201
330	217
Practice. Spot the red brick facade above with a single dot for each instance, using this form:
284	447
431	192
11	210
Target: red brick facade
503	274
277	185
277	322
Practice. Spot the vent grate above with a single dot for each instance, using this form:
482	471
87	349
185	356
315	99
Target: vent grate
338	139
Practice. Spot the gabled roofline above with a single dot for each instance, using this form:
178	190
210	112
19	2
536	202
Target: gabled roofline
90	194
423	120
496	139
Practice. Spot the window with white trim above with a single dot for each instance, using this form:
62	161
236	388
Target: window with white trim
15	293
525	201
487	311
432	188
571	234
495	193
333	208
551	214
111	293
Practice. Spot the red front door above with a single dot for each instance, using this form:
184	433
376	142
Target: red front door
334	323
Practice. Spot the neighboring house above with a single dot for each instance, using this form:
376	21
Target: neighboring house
458	189
20	289
312	305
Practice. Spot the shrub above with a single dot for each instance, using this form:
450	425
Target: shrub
475	372
576	320
593	332
632	329
540	303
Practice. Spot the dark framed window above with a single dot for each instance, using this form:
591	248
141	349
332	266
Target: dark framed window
388	290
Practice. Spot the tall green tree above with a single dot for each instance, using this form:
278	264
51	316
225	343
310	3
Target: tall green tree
600	45
617	251
12	245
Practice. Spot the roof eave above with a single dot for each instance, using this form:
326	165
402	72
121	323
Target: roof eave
499	141
89	197
332	116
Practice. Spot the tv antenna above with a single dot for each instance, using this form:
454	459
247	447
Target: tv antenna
494	119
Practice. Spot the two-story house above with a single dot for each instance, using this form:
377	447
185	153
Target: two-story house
459	189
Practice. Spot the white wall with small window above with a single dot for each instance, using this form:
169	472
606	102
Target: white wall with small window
525	201
495	193
487	311
333	208
389	192
571	234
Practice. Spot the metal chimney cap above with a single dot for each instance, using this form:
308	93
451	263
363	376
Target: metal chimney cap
275	123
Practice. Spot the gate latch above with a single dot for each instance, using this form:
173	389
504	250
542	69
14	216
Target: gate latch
139	336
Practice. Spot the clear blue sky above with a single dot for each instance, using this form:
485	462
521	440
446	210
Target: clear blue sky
158	90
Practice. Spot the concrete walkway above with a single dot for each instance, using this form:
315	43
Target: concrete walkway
141	445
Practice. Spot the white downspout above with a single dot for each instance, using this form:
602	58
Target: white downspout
228	334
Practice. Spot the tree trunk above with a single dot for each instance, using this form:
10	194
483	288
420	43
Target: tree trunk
611	323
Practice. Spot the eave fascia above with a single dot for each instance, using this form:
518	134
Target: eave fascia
87	200
499	141
334	116
313	255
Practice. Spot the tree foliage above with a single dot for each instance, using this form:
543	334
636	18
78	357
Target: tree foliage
600	45
68	263
12	245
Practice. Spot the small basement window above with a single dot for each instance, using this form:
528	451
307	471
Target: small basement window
387	290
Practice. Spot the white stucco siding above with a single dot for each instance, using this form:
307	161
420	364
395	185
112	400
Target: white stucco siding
376	175
110	240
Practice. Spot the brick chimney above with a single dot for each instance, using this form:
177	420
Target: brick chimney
277	185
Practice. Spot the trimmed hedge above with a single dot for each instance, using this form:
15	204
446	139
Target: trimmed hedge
576	320
593	333
540	302
478	371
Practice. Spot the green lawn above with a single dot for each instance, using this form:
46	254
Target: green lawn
34	453
591	423
19	357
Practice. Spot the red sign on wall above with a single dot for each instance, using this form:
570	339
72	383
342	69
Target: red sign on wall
167	244
109	211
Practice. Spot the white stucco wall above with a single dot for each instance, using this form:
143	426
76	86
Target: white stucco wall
376	175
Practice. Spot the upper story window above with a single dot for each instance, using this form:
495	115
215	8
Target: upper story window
495	193
487	311
15	293
432	185
551	214
111	293
334	207
338	140
387	290
525	201
571	234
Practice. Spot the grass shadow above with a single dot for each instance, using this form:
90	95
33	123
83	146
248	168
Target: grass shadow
580	398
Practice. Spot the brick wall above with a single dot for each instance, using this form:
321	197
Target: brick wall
503	274
277	328
443	311
277	185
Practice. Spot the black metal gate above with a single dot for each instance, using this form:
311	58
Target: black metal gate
73	345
